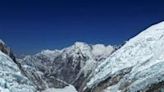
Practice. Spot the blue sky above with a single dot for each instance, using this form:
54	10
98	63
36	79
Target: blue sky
29	26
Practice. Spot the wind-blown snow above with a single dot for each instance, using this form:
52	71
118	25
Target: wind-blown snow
145	53
51	54
11	79
102	51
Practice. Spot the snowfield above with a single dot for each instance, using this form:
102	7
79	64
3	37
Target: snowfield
69	88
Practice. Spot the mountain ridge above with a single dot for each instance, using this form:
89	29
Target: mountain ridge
135	58
75	62
136	66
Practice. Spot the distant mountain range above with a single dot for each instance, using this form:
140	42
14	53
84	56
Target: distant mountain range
72	65
138	66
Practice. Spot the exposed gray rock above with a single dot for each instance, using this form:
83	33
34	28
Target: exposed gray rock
11	77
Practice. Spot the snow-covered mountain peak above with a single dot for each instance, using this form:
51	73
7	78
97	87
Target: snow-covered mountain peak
80	44
95	51
70	65
77	48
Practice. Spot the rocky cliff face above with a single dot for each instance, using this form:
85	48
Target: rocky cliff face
59	68
6	50
138	66
11	78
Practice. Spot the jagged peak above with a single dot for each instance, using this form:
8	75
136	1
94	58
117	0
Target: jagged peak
76	48
95	51
76	45
80	46
79	43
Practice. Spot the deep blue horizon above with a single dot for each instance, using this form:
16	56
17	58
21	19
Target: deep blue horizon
30	26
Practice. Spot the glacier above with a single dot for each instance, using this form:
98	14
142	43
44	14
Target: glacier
142	56
11	78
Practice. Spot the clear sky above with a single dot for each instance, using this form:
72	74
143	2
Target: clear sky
29	26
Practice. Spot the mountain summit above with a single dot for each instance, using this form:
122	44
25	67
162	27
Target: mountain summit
71	65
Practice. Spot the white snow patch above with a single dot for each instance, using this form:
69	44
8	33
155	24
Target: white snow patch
69	88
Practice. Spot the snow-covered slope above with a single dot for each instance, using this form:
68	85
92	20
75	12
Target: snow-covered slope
69	88
71	65
11	79
137	66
